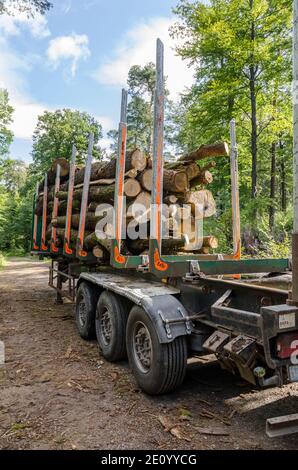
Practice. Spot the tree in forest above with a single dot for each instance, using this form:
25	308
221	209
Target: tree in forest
240	48
141	86
13	174
57	131
141	89
6	112
30	7
139	127
241	51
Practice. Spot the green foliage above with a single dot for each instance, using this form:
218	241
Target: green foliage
141	85
57	131
241	52
138	123
13	174
6	111
30	7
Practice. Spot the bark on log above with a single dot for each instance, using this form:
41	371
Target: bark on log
219	149
90	221
140	206
193	171
145	179
204	178
169	246
105	194
64	172
210	242
175	181
136	159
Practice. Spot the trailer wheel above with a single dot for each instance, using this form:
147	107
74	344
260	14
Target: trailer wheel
111	318
158	368
86	300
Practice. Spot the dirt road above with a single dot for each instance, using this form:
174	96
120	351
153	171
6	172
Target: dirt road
57	392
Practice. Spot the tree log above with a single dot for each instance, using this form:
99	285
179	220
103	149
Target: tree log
220	149
175	181
210	242
204	178
140	206
136	159
202	203
99	252
170	199
169	246
131	188
90	221
145	179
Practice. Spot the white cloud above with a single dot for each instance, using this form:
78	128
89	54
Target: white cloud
11	25
13	70
26	110
106	122
73	48
137	48
25	117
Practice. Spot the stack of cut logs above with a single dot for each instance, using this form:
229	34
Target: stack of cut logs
184	185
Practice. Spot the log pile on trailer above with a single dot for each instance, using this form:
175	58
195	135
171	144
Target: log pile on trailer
186	198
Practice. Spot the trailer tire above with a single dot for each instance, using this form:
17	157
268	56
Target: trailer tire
86	300
164	369
110	323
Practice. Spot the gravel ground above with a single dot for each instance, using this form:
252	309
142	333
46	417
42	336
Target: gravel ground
57	392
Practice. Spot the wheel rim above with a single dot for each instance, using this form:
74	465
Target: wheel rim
106	326
142	347
82	313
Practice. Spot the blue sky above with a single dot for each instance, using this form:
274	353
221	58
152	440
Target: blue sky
78	56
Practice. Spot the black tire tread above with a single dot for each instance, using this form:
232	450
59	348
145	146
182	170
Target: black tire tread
174	356
119	303
92	292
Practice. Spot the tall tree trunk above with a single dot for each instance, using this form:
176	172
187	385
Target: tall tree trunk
253	102
254	133
283	187
272	187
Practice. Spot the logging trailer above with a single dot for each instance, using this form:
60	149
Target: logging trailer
159	310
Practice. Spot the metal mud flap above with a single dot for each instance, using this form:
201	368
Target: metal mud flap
169	317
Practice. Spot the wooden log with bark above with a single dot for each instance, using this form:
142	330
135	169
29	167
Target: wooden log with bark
219	149
169	245
175	181
201	202
90	221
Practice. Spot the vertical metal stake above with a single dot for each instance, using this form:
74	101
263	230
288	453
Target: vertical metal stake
295	156
55	209
235	192
119	187
44	215
80	244
158	135
67	249
35	246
